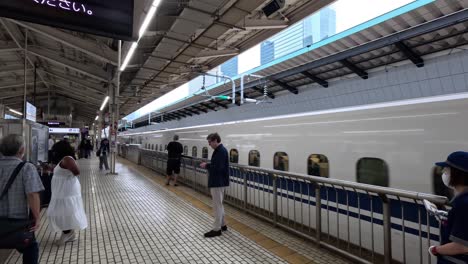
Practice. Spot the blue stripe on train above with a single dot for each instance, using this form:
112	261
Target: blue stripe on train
410	210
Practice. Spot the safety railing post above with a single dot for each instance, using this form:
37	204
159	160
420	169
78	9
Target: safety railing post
244	174
318	214
275	200
387	229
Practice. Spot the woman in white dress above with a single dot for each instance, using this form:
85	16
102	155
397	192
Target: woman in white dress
65	212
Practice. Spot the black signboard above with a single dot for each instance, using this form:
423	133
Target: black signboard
110	18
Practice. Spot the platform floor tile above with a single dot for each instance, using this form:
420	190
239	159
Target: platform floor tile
267	235
133	220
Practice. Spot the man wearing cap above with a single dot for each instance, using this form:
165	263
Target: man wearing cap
454	230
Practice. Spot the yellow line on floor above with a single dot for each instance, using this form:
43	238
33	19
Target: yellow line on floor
262	240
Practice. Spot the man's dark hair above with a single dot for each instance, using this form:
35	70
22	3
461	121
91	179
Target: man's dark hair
213	137
458	177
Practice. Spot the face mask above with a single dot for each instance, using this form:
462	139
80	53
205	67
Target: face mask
446	178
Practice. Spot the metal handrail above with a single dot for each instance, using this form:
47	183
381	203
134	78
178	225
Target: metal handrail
274	196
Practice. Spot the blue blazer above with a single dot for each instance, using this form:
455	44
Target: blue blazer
218	168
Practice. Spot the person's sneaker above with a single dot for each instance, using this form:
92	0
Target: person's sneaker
213	233
66	238
224	228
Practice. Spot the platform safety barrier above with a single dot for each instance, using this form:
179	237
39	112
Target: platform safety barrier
365	223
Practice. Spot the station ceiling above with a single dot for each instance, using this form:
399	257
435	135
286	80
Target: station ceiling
70	72
436	28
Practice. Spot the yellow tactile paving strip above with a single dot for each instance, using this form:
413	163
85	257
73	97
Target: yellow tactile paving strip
274	247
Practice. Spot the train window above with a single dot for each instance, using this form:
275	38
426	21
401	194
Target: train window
146	145
160	147
372	171
254	158
185	150
317	165
234	156
281	161
204	153
438	185
152	146
165	147
194	151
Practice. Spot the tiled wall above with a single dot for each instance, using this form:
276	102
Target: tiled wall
444	74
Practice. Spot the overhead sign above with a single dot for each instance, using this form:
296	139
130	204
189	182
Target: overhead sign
30	112
106	18
62	130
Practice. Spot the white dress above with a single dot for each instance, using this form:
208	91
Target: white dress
65	211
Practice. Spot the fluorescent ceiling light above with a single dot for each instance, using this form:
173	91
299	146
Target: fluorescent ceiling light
141	33
104	103
97	117
148	18
129	56
16	112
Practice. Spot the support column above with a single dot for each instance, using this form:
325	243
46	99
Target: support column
25	126
115	112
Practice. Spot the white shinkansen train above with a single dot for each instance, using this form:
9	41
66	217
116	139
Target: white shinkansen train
391	144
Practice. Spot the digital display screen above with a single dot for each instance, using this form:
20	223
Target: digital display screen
30	112
112	19
62	130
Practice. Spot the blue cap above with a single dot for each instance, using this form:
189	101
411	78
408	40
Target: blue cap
458	160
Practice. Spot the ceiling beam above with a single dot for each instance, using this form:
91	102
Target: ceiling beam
14	33
191	111
360	72
185	113
75	80
208	106
13	68
199	109
88	70
206	54
415	58
250	24
286	86
315	79
100	52
9	46
443	22
16	84
219	104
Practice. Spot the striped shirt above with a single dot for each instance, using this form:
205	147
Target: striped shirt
15	203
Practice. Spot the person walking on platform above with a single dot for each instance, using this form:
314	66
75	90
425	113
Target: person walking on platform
218	180
51	144
66	212
102	154
21	200
174	154
454	230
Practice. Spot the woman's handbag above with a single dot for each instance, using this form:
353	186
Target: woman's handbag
14	233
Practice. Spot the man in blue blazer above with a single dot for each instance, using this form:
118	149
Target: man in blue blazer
218	181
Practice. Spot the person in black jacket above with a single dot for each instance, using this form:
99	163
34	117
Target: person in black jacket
102	153
453	230
174	153
218	180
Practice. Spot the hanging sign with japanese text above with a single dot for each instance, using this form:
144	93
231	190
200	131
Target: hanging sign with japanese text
112	19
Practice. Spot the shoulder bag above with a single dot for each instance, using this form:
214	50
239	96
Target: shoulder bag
14	233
